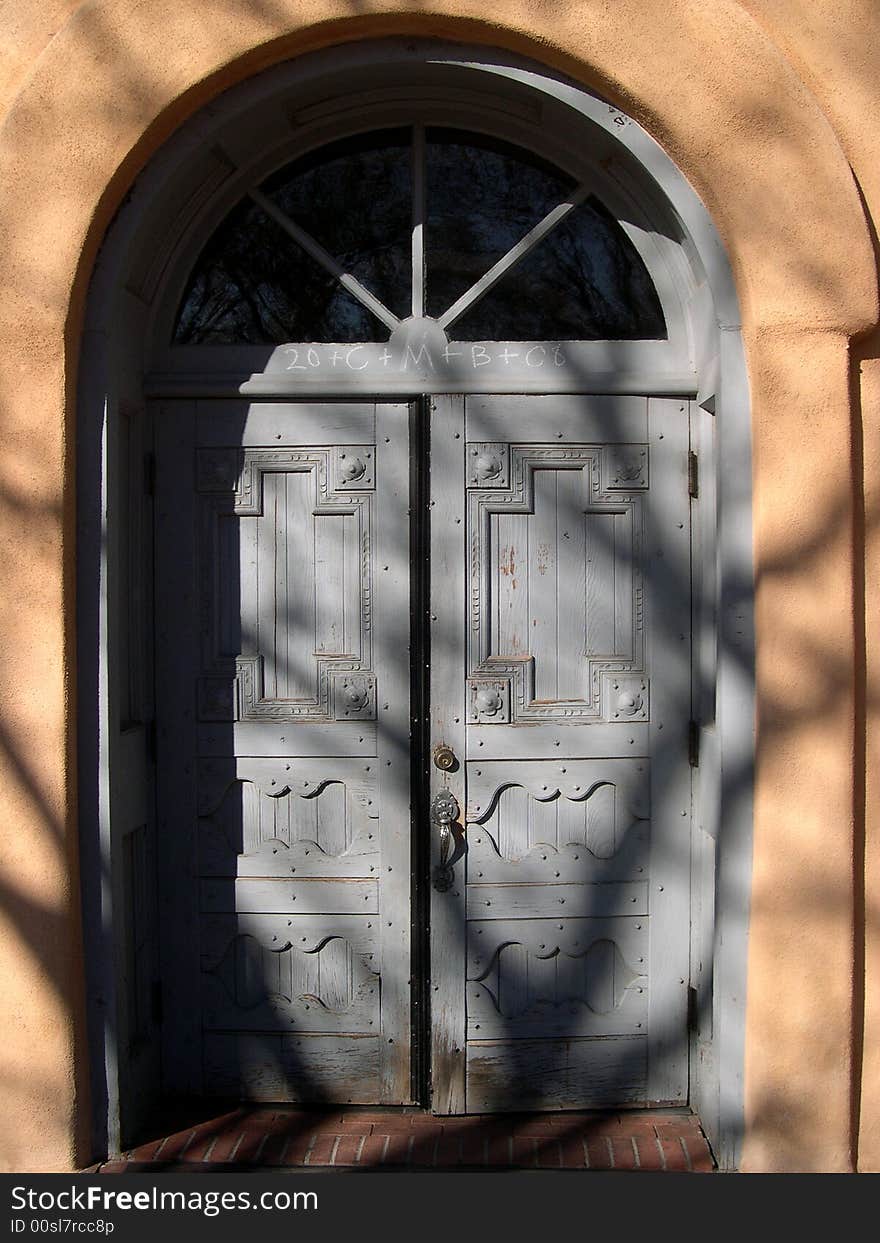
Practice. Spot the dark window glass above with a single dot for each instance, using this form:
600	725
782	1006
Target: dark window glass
253	284
355	198
483	196
584	281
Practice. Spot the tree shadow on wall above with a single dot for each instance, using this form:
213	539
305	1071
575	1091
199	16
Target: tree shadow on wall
782	720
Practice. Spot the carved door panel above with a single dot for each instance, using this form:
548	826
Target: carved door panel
560	663
283	715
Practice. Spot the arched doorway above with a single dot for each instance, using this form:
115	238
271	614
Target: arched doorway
405	717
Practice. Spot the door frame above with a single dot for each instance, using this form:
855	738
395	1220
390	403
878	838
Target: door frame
129	289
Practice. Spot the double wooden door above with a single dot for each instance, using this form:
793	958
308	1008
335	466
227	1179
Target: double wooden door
423	684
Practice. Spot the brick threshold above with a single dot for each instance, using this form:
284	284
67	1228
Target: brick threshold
254	1139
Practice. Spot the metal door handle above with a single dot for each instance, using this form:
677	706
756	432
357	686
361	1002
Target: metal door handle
444	813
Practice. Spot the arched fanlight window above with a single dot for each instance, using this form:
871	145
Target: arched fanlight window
482	236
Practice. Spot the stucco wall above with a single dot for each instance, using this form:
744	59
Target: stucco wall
767	114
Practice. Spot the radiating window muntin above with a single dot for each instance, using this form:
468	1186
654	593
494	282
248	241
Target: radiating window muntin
342	244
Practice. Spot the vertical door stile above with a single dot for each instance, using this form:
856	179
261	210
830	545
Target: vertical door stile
391	635
667	559
177	657
447	711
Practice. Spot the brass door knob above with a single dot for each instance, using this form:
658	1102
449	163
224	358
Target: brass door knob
444	758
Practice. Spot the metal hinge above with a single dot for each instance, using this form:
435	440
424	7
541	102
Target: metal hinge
156	1002
693	476
149	474
693	744
693	1010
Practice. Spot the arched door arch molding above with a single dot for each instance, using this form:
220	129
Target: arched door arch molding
135	292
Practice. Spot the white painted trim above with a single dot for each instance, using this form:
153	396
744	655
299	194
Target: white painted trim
418	222
222	158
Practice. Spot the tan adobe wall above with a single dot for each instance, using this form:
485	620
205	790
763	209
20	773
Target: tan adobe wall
767	107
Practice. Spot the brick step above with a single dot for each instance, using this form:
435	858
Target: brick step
265	1138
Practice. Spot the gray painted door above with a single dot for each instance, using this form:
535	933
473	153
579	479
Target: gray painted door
283	759
559	550
561	681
